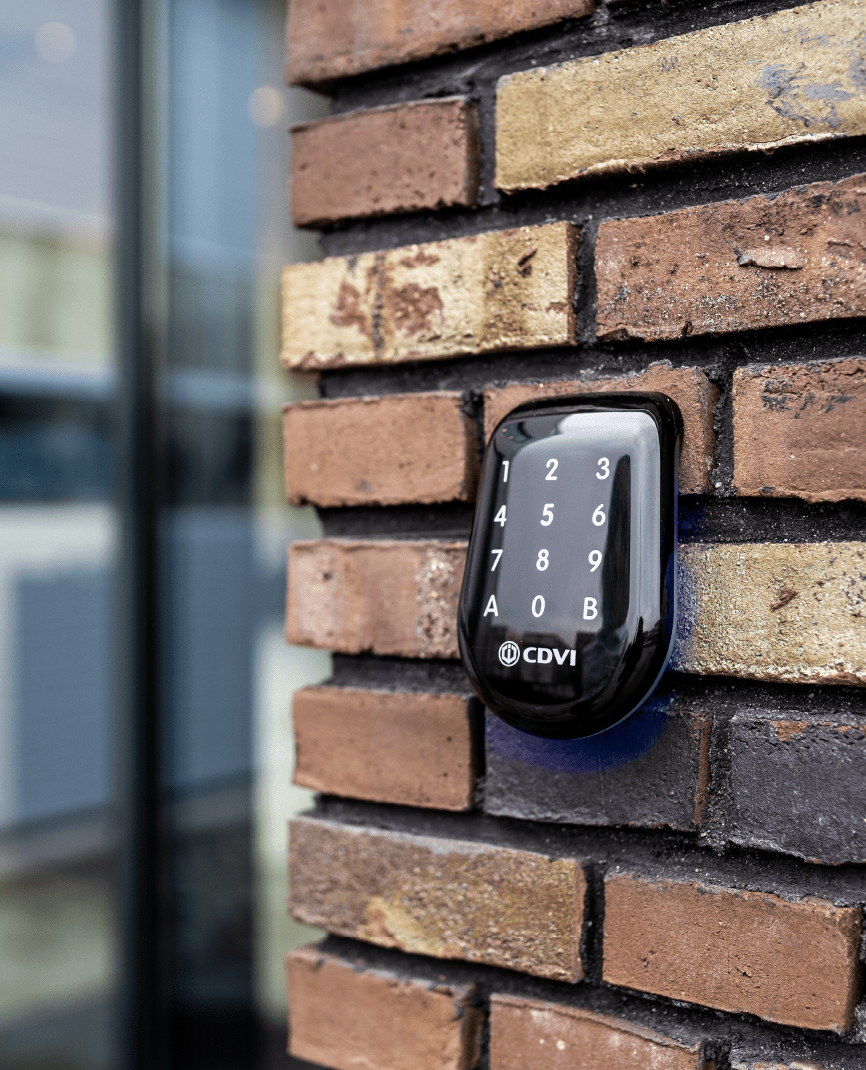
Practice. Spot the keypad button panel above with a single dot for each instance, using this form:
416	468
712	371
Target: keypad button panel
568	602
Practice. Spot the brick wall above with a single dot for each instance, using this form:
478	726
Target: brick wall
519	199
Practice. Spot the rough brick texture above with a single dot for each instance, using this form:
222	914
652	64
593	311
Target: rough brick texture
740	1063
451	899
697	868
800	430
721	89
380	450
386	596
689	387
794	783
652	772
501	290
343	1017
328	39
402	158
407	747
747	952
773	611
529	1033
735	265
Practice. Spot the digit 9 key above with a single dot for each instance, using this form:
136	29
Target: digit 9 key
567	612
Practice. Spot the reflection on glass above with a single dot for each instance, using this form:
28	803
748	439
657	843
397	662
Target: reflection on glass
230	675
57	534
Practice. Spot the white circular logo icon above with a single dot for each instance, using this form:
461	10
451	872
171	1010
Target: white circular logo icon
509	653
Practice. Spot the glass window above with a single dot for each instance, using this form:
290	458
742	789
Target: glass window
227	674
57	534
230	674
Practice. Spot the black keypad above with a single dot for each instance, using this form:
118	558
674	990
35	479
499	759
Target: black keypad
568	602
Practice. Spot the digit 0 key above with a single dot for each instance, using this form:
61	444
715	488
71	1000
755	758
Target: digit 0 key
568	608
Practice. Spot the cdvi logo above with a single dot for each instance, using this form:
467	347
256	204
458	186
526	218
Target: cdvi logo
509	654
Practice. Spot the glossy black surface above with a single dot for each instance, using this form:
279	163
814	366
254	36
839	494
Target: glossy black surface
567	612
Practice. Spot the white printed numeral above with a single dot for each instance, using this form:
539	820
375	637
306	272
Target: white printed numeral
594	559
547	515
497	554
505	465
537	605
604	465
598	517
543	560
552	466
500	516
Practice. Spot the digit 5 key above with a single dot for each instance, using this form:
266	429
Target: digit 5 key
568	607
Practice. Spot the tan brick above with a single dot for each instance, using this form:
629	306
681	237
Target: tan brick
380	450
735	265
688	387
400	158
407	747
739	951
388	596
800	430
328	39
500	290
767	81
773	611
531	1032
451	899
345	1017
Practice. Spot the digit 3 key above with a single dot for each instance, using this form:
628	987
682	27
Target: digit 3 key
568	607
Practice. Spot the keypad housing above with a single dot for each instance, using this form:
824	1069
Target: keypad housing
568	607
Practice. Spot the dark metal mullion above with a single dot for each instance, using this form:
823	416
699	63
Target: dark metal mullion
141	1003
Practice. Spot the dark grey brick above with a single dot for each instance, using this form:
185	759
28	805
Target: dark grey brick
792	783
651	771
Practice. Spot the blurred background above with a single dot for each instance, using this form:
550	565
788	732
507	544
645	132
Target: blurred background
219	213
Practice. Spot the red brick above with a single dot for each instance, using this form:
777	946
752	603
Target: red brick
740	951
451	899
401	158
380	450
800	430
344	1017
532	1033
413	748
735	265
688	387
386	596
328	39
